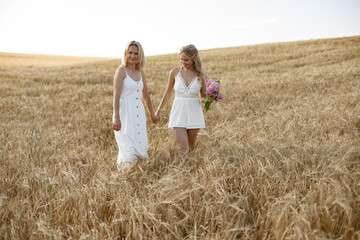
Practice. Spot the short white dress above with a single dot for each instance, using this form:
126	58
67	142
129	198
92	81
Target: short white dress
186	111
132	138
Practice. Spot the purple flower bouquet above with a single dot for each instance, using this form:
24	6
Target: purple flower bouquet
212	92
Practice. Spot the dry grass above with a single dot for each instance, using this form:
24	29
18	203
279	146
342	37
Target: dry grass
279	159
15	60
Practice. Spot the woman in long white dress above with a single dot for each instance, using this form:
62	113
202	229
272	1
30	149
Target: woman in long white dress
129	118
186	116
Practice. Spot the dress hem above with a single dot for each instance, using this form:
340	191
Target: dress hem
187	127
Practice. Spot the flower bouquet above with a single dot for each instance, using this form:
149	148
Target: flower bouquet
212	92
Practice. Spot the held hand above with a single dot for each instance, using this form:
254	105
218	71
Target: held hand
154	119
158	114
116	124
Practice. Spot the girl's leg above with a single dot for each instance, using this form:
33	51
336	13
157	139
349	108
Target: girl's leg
191	135
182	139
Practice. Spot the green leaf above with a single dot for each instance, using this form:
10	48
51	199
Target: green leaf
207	105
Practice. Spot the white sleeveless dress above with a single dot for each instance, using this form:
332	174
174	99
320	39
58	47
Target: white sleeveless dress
132	138
186	111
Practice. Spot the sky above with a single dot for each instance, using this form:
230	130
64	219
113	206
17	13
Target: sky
103	28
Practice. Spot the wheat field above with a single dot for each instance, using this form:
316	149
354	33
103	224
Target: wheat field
279	157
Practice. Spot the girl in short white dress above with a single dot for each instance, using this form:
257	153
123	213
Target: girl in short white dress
186	116
186	111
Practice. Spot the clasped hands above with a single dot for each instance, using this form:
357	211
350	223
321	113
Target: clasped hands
155	118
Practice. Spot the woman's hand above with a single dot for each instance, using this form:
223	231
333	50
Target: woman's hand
154	118
116	124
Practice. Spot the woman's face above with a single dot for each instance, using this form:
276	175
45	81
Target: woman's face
132	54
187	62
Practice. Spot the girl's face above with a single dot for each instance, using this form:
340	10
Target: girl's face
187	62
132	54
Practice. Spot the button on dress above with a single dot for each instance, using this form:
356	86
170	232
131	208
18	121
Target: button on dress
186	111
132	138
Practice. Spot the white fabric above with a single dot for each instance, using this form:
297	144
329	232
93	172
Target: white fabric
132	138
186	111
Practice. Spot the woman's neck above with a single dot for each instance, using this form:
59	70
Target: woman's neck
188	69
131	66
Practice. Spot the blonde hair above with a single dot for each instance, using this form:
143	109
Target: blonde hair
191	52
140	65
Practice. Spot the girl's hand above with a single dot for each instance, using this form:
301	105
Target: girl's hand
204	100
210	99
116	124
158	114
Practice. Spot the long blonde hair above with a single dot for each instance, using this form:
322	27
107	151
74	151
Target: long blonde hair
140	65
191	52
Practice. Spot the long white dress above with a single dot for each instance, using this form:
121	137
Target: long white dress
186	111
132	138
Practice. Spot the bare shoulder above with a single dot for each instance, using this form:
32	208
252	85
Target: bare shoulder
174	71
120	72
120	69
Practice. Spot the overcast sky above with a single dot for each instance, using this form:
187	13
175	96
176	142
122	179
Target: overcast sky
102	28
